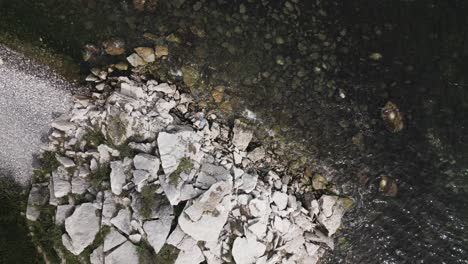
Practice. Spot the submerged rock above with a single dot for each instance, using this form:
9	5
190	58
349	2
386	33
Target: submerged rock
114	46
392	117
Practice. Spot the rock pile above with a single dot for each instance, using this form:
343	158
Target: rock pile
135	161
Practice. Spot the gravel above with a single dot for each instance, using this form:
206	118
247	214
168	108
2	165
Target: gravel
30	96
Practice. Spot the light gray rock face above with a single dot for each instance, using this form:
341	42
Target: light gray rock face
211	174
122	221
189	250
97	257
63	211
242	135
62	186
247	250
127	253
117	176
280	199
160	208
132	91
82	227
79	185
256	154
140	178
147	162
65	162
249	182
113	239
108	208
204	218
63	125
174	147
38	196
332	210
157	231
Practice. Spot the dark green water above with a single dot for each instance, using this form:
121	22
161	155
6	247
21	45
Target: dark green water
290	62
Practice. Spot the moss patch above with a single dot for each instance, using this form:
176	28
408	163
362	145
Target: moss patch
94	138
184	165
167	255
100	175
148	200
15	245
48	163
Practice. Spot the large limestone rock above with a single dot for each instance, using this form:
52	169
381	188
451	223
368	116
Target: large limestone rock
82	227
204	218
157	231
63	211
211	174
332	210
174	147
97	257
127	253
117	176
113	239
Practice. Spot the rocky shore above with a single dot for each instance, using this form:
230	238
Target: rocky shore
135	173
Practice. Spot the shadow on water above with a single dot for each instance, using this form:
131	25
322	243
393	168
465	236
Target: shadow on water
304	67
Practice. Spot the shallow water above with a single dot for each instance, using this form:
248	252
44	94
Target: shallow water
304	68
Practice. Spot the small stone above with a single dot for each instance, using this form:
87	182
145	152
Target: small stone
256	154
66	162
147	54
249	182
319	182
62	186
375	56
247	251
392	117
218	94
139	5
121	66
161	50
117	177
114	46
280	199
135	238
63	211
135	60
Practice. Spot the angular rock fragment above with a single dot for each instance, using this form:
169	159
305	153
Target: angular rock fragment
64	161
122	221
127	253
147	162
61	181
242	135
97	257
204	217
147	54
157	231
113	239
247	251
82	227
280	199
332	210
117	176
63	211
38	196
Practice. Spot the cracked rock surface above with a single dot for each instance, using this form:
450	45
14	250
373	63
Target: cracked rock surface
161	173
